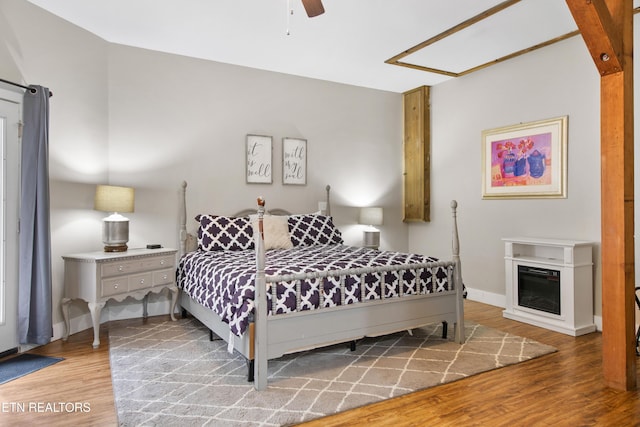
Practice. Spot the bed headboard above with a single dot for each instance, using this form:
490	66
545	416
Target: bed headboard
188	242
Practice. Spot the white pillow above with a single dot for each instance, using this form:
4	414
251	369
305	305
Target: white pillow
276	231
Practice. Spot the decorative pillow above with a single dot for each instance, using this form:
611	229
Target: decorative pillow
223	233
276	231
313	229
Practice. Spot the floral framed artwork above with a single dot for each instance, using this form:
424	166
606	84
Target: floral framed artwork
258	159
527	160
294	161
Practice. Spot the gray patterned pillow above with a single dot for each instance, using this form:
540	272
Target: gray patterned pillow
311	229
224	233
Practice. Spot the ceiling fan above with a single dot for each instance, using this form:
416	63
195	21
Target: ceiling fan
313	7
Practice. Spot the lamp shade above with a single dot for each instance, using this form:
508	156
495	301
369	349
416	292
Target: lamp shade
111	198
370	216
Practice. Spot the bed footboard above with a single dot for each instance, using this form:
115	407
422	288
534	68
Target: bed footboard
276	335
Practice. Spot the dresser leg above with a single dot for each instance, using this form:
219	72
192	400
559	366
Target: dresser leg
145	301
65	314
174	300
96	308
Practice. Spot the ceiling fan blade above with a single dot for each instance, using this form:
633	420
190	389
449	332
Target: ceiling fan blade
313	7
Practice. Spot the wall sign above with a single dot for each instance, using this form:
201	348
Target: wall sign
294	161
258	159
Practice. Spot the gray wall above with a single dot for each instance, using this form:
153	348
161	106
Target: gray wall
173	118
39	48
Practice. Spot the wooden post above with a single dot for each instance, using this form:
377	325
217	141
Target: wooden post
607	28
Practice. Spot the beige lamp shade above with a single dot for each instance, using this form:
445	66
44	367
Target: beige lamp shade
370	216
115	228
110	198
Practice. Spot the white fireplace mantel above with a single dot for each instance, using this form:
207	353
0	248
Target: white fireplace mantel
573	258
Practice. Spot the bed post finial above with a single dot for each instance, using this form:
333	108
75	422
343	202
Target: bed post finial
328	189
261	203
455	242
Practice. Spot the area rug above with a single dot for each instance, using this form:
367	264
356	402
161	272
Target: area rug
24	364
170	373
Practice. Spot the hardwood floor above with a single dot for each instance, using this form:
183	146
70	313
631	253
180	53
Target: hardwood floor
561	389
565	388
83	377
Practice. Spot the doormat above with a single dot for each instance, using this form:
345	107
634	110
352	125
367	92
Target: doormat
24	364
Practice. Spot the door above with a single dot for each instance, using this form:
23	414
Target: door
10	104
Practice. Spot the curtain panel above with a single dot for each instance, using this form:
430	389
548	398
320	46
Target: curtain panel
34	287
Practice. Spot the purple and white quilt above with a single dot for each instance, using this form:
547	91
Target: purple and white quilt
223	281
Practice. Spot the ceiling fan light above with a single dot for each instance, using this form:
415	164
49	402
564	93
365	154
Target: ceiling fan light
313	7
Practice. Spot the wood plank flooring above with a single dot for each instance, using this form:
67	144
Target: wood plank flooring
565	388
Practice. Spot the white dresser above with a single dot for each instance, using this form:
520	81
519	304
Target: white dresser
97	277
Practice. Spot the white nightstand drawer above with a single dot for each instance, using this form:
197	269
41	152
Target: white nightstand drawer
140	281
114	286
163	277
157	263
122	267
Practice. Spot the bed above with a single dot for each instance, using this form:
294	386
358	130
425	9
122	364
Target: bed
272	283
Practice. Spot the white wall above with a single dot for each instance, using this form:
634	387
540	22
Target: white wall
556	81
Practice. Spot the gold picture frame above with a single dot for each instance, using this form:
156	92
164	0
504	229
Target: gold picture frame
527	160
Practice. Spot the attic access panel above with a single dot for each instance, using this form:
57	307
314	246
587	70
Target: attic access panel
490	37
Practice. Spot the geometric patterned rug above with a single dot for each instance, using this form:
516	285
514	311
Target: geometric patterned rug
168	373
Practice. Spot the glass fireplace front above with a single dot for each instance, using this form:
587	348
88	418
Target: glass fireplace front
539	289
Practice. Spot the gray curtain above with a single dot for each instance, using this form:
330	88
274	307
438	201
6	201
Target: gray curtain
34	292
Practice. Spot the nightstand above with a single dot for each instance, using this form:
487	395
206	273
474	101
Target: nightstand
97	277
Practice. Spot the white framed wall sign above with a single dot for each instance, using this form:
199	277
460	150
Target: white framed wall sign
259	156
294	161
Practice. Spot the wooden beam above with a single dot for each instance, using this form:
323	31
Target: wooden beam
453	30
602	37
607	28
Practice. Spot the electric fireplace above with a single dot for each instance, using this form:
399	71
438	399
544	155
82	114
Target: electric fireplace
539	289
549	283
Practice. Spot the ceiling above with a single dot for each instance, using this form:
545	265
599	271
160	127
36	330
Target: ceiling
349	43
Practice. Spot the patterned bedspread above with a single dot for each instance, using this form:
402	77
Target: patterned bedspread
223	281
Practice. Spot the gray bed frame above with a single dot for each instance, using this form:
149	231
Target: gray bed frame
270	337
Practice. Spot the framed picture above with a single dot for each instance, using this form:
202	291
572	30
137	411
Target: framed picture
294	161
259	155
525	161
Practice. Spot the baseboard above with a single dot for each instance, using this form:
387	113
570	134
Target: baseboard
485	297
598	321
